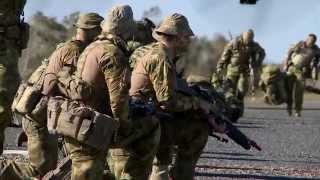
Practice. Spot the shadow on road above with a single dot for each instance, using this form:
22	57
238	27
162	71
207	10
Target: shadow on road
247	176
257	160
250	127
226	153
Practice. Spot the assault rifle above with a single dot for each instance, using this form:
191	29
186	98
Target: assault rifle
221	117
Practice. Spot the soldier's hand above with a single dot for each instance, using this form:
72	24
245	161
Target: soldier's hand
202	105
219	128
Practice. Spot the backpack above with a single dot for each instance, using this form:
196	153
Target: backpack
29	95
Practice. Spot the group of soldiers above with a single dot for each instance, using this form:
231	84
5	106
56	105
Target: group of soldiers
110	63
98	58
243	56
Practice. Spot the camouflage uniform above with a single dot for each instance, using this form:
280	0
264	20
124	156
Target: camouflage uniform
104	66
129	158
13	38
42	146
300	60
236	59
274	84
154	75
142	36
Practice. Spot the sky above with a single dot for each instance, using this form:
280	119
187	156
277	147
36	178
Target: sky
277	23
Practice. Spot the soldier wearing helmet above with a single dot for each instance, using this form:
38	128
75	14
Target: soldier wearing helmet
108	55
236	59
154	77
42	146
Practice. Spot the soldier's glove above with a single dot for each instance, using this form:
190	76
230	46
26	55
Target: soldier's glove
200	104
216	127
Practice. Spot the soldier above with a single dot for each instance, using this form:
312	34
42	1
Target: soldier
130	159
236	59
299	62
154	76
274	84
42	147
104	66
13	38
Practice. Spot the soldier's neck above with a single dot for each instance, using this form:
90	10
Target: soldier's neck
171	50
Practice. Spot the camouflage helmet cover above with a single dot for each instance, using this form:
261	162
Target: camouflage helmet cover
175	24
89	21
119	20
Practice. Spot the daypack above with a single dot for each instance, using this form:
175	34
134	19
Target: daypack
29	93
29	100
274	84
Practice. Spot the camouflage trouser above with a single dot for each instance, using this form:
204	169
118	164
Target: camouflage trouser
9	82
87	162
240	84
135	161
42	150
255	78
296	83
190	135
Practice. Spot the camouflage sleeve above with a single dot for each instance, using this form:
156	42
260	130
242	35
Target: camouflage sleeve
261	54
292	49
162	75
115	68
225	57
57	60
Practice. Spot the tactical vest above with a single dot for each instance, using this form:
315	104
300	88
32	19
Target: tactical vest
241	55
303	57
107	37
14	32
71	117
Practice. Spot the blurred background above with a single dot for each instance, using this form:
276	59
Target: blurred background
277	25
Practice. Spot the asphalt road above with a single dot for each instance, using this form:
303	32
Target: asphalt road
290	146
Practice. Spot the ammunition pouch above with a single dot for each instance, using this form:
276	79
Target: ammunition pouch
29	100
74	120
26	99
73	87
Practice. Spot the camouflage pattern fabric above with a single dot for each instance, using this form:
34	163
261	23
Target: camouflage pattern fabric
274	84
236	60
134	162
187	135
296	83
42	147
11	43
154	75
87	162
42	150
300	59
303	57
106	55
